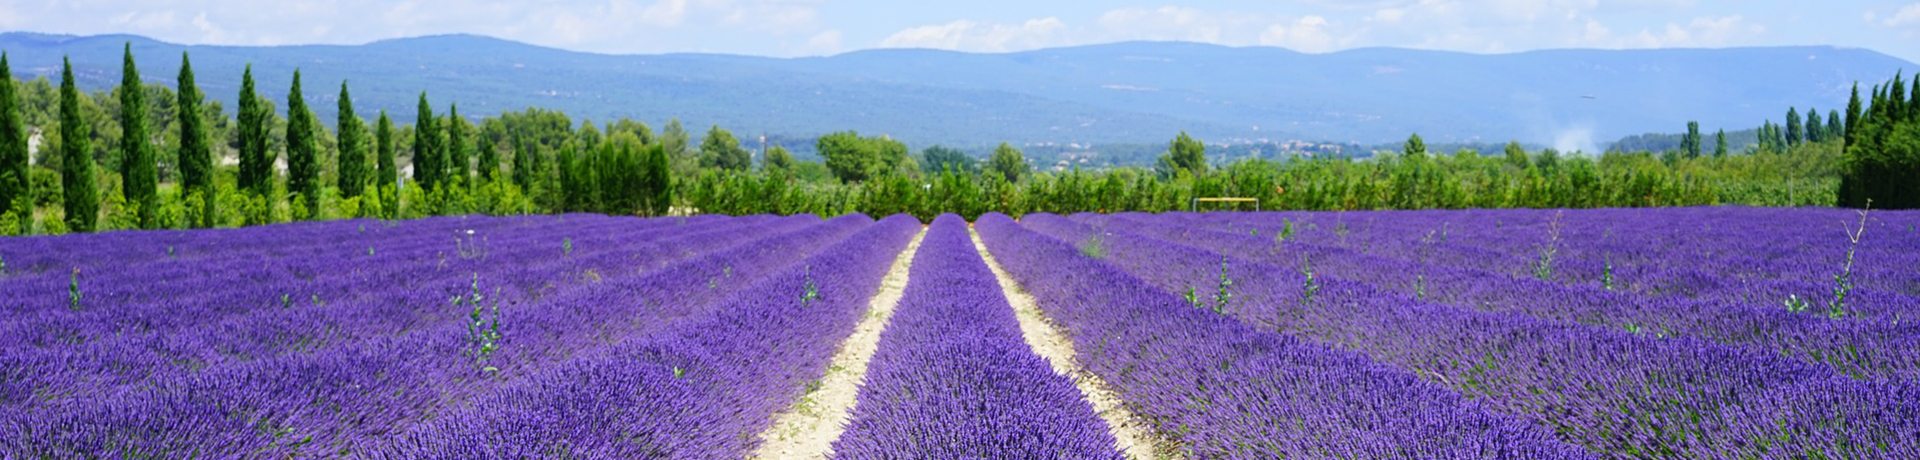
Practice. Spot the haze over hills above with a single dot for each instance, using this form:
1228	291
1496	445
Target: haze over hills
1128	92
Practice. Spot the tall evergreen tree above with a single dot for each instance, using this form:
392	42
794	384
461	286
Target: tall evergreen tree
256	159
1815	132
1853	117
353	159
524	168
387	174
76	157
303	158
657	180
1794	133
489	161
1720	144
458	156
426	155
139	177
15	185
1690	142
196	144
1834	128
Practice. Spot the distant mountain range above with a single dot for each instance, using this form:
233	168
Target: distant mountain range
1132	92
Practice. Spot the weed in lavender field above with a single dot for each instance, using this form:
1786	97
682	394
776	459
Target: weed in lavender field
1543	267
483	332
73	291
1312	284
1221	299
1094	246
812	292
1843	282
566	246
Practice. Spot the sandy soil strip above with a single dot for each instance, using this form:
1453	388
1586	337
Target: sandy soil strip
807	430
1047	340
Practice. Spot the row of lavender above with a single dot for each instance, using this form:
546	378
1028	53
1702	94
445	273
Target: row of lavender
383	361
1224	388
953	379
1806	258
1864	349
113	341
1617	393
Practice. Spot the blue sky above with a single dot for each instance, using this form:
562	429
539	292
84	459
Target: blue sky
816	27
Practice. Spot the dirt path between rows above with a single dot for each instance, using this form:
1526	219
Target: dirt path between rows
1049	341
807	430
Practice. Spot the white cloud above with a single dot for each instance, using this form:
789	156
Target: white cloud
964	35
1907	16
1307	34
825	42
1168	23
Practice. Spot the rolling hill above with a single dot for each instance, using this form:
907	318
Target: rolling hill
1130	92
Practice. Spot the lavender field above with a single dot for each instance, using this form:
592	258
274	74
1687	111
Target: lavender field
1526	334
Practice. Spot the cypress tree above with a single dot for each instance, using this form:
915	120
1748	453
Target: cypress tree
1720	143
196	149
1853	117
489	159
256	161
387	174
15	185
1834	128
303	163
1690	143
138	174
1815	132
522	163
657	181
457	157
426	155
76	158
1793	127
353	159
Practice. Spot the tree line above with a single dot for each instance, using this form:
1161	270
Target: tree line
149	156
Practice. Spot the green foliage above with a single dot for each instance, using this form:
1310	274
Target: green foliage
16	187
1882	151
303	161
76	167
255	120
778	160
427	167
1794	132
1008	162
1415	149
855	159
457	150
720	150
352	161
939	158
196	145
387	177
488	167
1187	154
138	170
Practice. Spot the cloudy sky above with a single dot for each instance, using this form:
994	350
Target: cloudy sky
816	27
